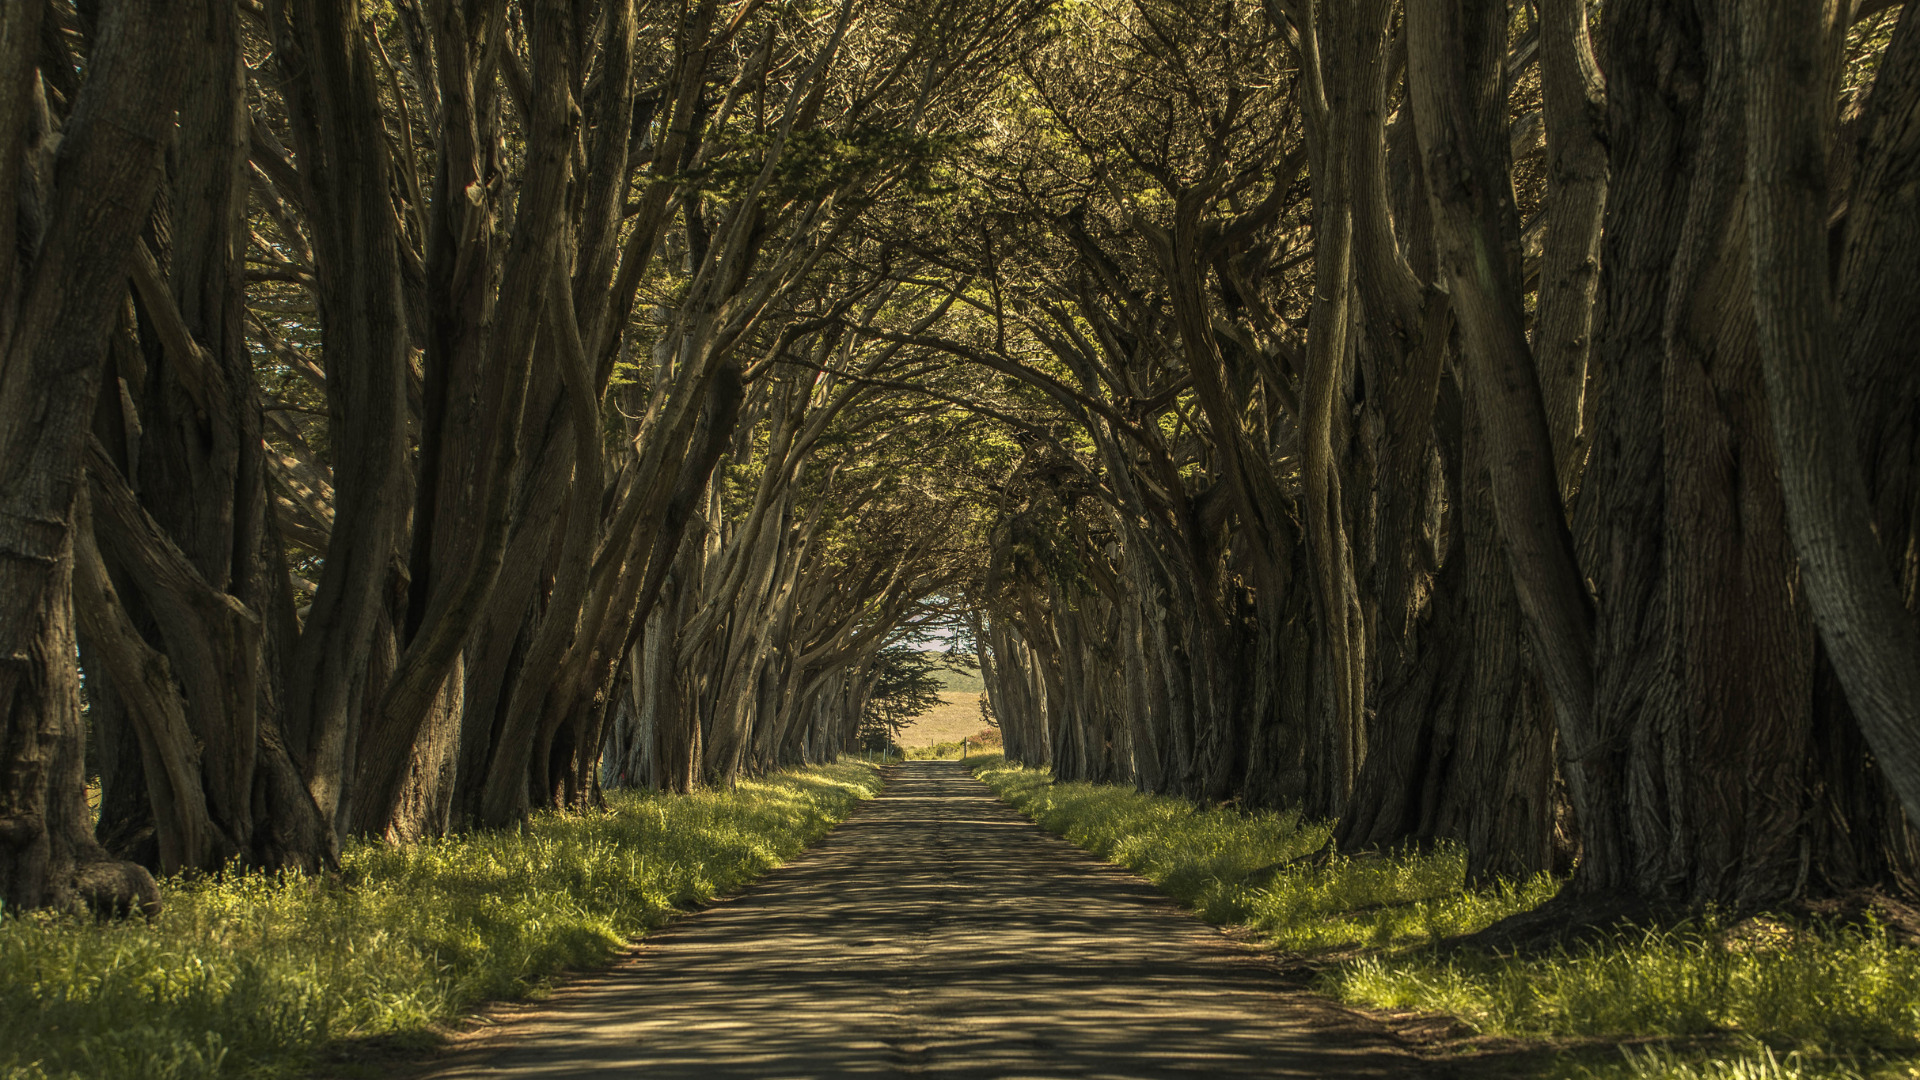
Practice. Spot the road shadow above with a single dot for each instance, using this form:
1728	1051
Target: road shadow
936	932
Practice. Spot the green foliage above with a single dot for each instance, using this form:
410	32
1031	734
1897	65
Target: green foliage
249	974
1040	546
906	683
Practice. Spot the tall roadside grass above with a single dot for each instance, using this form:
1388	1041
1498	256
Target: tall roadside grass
1819	1001
253	974
1749	1059
1265	870
1800	987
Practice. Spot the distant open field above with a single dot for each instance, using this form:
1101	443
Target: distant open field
958	716
968	680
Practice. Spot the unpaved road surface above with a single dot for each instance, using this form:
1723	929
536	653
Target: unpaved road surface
935	933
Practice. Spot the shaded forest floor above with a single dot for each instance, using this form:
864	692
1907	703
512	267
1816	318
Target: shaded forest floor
1786	997
250	974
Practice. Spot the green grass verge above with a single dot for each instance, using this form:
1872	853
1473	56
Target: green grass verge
251	974
1253	869
1750	1059
1812	1001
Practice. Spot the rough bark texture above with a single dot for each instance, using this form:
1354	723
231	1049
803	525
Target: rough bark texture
1456	53
1652	108
339	137
63	276
1463	748
1878	288
1575	112
48	857
1856	598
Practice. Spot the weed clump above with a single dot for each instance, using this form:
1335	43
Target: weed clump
249	974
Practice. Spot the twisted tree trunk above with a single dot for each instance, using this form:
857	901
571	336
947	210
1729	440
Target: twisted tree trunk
62	277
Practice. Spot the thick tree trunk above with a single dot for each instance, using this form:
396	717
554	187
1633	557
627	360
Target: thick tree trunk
1719	806
1708	713
478	352
1284	769
60	283
1330	107
1145	700
1879	289
1575	109
22	102
48	857
1016	696
1791	63
536	265
185	834
1456	54
333	99
424	805
676	750
1655	68
1872	840
95	195
193	548
1463	748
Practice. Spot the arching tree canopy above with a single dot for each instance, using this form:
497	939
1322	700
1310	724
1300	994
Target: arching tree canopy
1469	420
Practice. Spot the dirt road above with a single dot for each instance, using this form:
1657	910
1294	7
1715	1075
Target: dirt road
935	933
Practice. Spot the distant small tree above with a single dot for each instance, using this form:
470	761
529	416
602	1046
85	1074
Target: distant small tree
904	686
960	659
